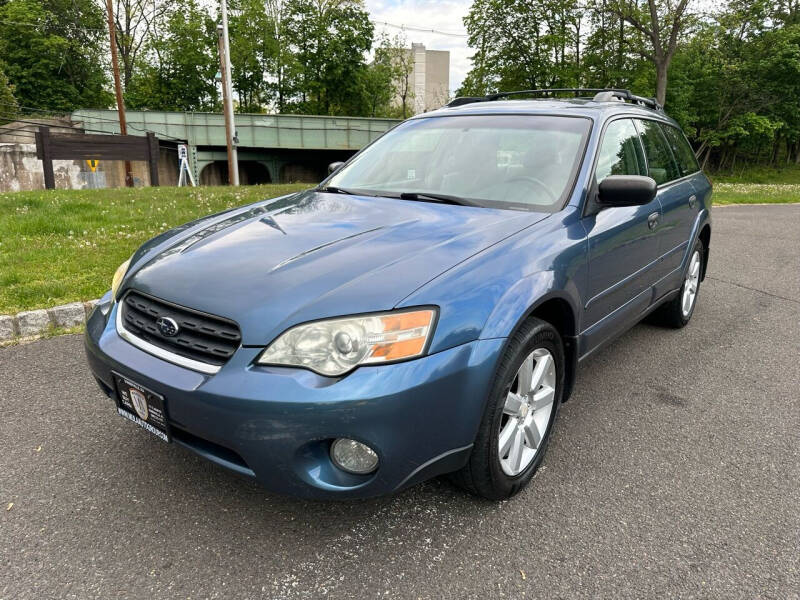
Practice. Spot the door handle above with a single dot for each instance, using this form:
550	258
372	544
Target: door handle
652	220
692	201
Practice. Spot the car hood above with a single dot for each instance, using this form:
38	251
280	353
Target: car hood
314	255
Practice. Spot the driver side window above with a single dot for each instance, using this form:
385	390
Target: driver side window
620	152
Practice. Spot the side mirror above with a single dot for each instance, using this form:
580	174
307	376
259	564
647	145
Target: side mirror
626	190
335	166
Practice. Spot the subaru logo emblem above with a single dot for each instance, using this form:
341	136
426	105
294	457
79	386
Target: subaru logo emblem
167	327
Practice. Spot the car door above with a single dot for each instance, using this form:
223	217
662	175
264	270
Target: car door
622	243
675	193
683	207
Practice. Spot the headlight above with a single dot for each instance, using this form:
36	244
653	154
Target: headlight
334	347
118	277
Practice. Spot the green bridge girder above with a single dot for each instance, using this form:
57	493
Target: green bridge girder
272	140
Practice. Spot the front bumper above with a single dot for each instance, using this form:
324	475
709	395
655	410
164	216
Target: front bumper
276	424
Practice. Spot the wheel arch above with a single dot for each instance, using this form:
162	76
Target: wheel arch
557	311
538	297
705	238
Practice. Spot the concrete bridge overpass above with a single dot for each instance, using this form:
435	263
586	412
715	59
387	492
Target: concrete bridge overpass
272	148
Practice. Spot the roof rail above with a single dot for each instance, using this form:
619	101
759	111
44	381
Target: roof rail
610	95
597	94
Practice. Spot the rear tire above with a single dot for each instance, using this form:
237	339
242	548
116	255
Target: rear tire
678	312
519	415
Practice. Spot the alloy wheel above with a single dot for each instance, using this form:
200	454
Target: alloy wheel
526	412
690	285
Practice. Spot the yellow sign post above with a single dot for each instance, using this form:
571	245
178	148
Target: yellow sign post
92	164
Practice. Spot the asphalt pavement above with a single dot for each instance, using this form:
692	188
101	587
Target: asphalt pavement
674	471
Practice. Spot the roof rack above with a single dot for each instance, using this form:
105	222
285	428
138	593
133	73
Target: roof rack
597	94
610	95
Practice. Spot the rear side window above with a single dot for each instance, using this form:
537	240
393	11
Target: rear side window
661	166
620	151
681	149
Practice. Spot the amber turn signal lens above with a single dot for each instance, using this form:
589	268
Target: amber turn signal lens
404	336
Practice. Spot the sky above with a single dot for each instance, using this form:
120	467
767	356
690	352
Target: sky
442	15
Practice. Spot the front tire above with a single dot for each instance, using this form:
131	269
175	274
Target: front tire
519	415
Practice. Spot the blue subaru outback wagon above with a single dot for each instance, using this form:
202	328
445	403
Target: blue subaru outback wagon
424	309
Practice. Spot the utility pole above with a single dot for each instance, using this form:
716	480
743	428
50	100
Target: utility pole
227	94
123	127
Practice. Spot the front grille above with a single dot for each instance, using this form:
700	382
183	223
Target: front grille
201	337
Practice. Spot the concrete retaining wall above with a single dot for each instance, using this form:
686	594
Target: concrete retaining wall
21	170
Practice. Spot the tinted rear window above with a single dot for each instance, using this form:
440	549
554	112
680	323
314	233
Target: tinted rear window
661	166
681	149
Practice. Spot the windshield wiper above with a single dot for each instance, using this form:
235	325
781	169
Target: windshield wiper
332	189
418	196
443	198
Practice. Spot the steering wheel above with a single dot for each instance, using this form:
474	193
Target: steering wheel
535	183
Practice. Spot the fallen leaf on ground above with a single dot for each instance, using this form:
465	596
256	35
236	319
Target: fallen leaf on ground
521	572
10	506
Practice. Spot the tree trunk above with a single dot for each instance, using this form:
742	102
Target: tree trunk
578	51
705	160
773	159
662	66
620	53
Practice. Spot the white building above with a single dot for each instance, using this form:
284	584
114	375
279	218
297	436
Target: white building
429	80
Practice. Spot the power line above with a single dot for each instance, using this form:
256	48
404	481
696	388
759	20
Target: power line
51	24
31	109
77	27
17	133
420	29
13	117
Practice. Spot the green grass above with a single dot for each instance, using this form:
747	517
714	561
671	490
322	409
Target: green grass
758	185
64	245
756	193
789	174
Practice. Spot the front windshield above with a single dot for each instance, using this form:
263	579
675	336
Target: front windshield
504	161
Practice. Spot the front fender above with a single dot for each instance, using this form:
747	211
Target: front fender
523	298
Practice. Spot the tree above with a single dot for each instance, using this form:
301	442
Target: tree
377	80
662	23
329	39
8	104
136	23
282	60
177	71
53	54
735	84
252	47
402	62
610	54
523	45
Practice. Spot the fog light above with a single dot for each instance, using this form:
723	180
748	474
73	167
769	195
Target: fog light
353	456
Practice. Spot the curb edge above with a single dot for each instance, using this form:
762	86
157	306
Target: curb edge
32	323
